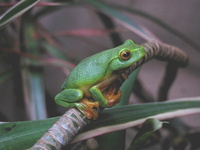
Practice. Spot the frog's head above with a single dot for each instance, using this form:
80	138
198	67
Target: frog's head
125	56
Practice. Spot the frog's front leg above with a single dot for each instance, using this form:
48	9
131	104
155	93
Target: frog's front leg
109	99
74	98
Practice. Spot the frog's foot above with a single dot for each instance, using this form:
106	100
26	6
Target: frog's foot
89	108
113	97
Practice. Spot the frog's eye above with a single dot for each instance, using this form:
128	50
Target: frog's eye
125	55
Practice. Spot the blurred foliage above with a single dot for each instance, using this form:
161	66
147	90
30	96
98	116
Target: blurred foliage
28	50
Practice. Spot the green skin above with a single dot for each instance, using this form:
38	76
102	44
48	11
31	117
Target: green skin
96	73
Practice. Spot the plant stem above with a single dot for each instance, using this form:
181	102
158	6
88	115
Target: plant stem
63	131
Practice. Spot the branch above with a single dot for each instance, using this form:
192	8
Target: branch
63	131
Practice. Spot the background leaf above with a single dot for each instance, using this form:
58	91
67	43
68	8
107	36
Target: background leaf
16	11
122	19
119	136
148	128
16	134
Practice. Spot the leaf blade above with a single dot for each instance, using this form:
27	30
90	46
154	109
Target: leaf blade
16	10
110	120
32	74
118	137
8	133
123	19
148	128
165	110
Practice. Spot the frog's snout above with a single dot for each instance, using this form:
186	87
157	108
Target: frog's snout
142	51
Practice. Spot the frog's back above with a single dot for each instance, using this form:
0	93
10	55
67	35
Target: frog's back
88	72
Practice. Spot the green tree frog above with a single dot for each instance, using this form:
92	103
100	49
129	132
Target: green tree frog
96	80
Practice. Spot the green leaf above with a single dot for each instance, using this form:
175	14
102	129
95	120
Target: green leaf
32	74
127	87
24	134
148	128
123	117
122	19
119	136
17	10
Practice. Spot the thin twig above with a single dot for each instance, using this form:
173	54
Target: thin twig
175	58
169	77
163	52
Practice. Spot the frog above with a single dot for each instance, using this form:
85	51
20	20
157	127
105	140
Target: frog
95	82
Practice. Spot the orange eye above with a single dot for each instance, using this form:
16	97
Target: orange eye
125	55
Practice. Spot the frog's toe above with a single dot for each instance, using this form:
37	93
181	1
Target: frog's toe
113	98
88	114
88	108
91	107
92	114
90	104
